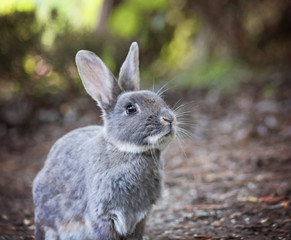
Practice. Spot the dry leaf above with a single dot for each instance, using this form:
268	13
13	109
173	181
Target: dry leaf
235	214
269	199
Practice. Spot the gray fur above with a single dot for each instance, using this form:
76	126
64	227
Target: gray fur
101	182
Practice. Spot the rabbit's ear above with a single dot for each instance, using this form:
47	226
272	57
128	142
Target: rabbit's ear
97	79
129	71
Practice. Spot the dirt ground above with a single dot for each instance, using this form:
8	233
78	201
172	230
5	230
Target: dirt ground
230	180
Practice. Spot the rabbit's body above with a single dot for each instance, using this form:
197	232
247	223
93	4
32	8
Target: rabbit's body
116	183
100	182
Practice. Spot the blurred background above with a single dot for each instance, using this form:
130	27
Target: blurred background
193	44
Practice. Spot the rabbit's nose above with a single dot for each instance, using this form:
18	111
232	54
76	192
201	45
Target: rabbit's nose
167	120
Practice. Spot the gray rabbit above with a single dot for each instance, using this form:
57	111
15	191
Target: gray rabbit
100	182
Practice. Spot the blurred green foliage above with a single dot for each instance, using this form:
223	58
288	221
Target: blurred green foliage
129	17
20	37
200	43
222	74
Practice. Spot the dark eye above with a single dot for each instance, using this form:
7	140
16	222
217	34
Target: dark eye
130	108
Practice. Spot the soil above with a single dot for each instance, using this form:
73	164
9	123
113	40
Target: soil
229	179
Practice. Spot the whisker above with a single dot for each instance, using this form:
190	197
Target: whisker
184	135
183	105
163	89
183	113
153	88
179	140
184	132
175	105
154	156
160	93
187	125
184	118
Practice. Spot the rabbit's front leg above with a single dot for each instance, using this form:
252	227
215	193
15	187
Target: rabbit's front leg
138	231
103	230
39	232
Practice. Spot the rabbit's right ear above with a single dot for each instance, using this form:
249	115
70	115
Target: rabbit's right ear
129	71
97	79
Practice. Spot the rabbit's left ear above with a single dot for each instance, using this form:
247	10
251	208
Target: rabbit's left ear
129	71
97	79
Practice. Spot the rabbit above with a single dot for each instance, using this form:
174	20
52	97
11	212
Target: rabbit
100	182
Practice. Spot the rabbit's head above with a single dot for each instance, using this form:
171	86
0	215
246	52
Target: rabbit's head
134	120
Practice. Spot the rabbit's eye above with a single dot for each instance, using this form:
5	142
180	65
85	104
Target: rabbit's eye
130	109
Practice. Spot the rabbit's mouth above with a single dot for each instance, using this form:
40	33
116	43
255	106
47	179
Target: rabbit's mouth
160	140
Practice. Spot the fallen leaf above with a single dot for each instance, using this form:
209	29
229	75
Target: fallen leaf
202	236
283	204
9	228
4	217
235	214
217	223
248	199
287	220
269	199
264	220
26	222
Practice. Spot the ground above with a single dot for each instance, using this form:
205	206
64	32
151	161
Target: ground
230	179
